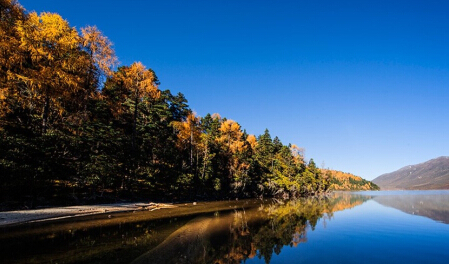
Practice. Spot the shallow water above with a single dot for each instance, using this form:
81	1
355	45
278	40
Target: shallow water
361	227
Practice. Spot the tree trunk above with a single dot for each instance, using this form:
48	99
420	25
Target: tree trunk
45	114
134	143
134	135
191	148
205	159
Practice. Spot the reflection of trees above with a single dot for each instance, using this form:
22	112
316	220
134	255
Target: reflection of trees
271	227
238	231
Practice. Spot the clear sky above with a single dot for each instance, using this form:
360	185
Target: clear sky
363	86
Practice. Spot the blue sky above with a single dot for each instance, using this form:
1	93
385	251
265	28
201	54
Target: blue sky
363	86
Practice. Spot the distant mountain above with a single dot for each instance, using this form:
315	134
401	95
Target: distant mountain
432	174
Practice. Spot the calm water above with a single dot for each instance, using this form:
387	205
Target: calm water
361	227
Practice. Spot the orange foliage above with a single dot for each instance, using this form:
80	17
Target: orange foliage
138	82
252	141
188	131
100	49
141	81
231	135
347	181
11	57
57	62
52	44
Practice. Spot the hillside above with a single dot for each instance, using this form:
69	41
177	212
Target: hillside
342	181
432	174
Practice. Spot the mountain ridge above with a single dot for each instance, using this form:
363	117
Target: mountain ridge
428	175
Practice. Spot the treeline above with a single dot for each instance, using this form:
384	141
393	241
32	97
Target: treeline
72	127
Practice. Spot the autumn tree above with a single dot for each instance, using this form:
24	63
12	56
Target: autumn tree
128	92
10	56
252	140
138	83
101	57
234	142
188	135
231	134
44	70
52	48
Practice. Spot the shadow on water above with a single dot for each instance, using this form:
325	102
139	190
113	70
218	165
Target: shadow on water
226	232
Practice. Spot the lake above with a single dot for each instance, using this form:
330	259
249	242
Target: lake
344	227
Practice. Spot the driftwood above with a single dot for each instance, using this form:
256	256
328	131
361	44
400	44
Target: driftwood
153	206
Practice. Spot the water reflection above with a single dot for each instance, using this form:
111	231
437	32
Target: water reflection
233	233
431	204
243	234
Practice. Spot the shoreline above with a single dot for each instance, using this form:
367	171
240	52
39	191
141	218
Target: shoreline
17	217
29	216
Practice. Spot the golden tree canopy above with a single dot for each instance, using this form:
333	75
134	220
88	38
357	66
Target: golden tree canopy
252	141
100	49
48	36
141	81
231	134
53	48
188	131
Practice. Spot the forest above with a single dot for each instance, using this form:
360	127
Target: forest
77	127
344	181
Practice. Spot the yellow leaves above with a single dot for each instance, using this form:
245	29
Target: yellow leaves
47	37
53	46
54	76
231	130
135	83
55	29
140	80
237	146
100	49
231	135
93	39
252	141
188	131
345	181
3	93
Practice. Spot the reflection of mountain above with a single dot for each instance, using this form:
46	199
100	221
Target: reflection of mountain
435	206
